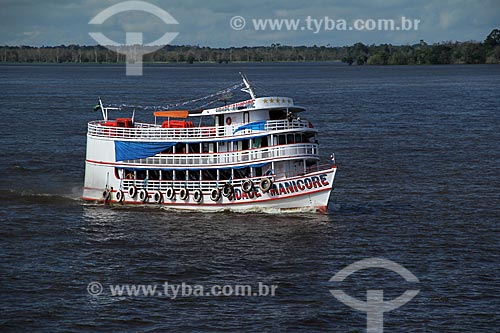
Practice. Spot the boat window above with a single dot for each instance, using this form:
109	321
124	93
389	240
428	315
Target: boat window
299	138
290	138
313	139
277	114
166	175
257	142
127	174
154	174
309	138
245	144
194	175
242	173
180	148
310	163
264	141
246	117
209	174
180	174
282	139
219	121
141	174
225	174
194	148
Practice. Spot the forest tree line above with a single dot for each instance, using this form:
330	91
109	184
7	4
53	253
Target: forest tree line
470	52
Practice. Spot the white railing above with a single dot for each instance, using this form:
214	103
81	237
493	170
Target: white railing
235	157
163	185
151	132
280	125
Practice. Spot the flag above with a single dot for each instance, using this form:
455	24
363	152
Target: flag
97	107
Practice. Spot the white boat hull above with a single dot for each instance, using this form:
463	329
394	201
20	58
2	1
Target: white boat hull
310	192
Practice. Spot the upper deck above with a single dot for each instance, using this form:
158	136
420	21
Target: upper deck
258	116
151	132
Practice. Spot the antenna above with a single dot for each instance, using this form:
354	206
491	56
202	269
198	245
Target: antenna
248	88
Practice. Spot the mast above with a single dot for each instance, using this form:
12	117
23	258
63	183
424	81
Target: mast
248	88
105	110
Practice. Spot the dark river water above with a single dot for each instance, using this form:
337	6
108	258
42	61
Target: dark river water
418	184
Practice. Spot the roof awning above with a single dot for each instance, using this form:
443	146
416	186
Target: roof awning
172	114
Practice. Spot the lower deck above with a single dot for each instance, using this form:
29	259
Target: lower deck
309	191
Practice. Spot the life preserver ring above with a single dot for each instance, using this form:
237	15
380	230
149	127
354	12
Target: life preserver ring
143	195
247	186
265	184
215	194
132	191
184	193
227	190
158	197
120	196
228	121
170	193
106	194
197	195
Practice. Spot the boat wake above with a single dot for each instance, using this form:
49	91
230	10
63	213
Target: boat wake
33	197
253	210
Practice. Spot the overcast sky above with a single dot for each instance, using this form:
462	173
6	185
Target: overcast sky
207	22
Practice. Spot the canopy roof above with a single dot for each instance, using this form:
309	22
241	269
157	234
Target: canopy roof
172	114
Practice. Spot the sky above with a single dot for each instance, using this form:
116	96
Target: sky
208	22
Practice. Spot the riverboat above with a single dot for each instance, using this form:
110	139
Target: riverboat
256	154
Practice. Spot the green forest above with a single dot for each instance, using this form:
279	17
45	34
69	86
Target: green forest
470	52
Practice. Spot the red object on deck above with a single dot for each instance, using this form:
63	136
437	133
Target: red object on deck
120	122
177	124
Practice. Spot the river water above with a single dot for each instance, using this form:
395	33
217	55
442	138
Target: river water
418	181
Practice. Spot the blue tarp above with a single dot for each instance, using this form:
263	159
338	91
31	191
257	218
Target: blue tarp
255	126
126	150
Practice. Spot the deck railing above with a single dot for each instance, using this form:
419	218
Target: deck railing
151	132
253	156
163	185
